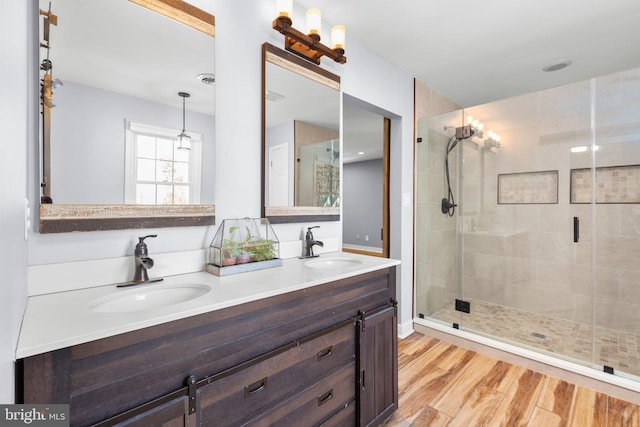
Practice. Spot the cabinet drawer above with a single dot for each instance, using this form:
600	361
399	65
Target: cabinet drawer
345	417
314	405
255	385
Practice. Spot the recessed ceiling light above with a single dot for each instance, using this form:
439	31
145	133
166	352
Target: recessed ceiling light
557	66
360	153
207	78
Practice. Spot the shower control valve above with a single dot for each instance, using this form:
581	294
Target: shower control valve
447	206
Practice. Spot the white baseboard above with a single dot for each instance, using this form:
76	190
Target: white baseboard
405	329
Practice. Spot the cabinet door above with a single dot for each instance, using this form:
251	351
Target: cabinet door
377	366
174	413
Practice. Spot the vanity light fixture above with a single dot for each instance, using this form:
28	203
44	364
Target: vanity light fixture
308	45
184	140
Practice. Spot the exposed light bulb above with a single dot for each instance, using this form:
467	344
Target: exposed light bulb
338	37
284	8
314	22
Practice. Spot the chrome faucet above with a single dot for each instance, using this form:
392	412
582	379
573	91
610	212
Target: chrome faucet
142	264
310	242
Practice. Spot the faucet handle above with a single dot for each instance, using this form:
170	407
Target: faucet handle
145	237
141	247
309	235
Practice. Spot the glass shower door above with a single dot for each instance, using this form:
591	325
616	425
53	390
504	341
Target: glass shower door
521	270
616	150
438	260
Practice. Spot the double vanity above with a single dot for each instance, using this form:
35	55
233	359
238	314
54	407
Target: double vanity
310	343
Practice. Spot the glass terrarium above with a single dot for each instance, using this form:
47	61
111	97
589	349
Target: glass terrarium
243	244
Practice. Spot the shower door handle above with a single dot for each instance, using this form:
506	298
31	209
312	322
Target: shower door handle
576	229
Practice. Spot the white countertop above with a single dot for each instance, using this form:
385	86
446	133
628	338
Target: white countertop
62	319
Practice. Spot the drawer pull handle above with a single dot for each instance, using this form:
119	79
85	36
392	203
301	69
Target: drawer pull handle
325	353
256	387
325	397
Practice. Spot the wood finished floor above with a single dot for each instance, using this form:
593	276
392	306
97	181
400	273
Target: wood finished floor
441	384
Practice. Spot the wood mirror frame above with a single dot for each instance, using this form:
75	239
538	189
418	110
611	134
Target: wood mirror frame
60	218
288	61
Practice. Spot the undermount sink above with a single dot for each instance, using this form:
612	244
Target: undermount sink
148	298
332	262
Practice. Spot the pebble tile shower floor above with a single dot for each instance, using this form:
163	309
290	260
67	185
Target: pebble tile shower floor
613	348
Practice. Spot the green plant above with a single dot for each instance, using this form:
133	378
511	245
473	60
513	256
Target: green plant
248	241
262	249
230	247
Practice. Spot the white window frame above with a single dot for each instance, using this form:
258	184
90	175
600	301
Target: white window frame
130	170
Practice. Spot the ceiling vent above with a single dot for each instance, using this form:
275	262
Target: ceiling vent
207	78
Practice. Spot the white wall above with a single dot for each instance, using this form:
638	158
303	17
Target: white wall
13	175
241	28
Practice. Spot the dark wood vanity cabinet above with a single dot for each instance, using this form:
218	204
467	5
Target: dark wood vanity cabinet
325	355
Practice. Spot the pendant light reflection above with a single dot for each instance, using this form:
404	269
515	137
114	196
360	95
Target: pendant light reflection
184	140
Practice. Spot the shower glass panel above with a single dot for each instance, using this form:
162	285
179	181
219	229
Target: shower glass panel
521	269
438	256
616	98
518	248
538	226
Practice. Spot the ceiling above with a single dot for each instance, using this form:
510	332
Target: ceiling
476	52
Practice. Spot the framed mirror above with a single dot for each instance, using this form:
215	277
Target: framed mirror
110	153
300	139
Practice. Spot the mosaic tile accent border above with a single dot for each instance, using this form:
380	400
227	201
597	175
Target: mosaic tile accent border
615	184
528	188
